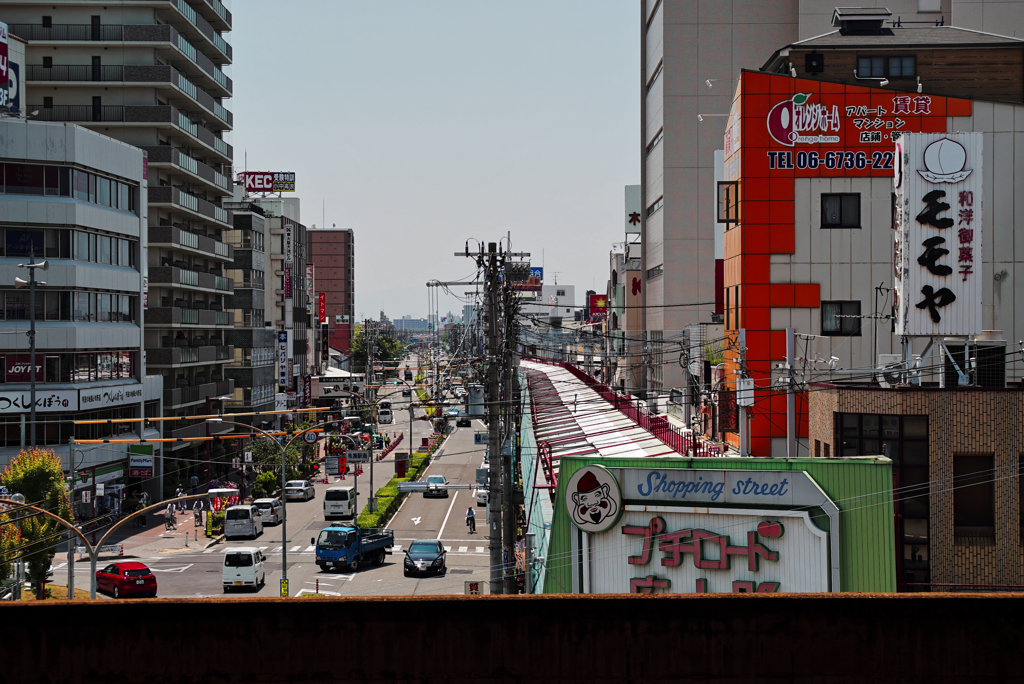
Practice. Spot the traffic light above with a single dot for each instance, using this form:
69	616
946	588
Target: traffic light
316	467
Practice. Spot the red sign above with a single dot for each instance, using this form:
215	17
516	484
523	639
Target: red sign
258	181
598	307
18	368
3	59
323	307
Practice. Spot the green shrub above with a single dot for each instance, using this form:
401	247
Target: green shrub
218	523
388	497
264	486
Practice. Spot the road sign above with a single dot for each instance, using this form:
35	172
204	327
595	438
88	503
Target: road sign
479	438
336	465
235	463
310	437
358	456
86	496
248	457
284	588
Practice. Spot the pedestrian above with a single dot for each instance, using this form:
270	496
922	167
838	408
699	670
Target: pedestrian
180	492
195	484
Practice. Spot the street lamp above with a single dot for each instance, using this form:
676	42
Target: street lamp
284	472
31	282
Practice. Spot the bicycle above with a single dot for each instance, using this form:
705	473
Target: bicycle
471	521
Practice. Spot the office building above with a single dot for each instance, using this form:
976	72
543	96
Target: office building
685	47
150	74
74	198
332	253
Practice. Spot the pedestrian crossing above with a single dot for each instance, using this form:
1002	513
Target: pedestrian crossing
312	549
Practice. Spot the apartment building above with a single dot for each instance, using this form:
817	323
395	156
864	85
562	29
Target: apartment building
73	198
150	74
685	48
253	338
332	253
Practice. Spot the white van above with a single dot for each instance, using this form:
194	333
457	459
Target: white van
339	502
243	521
244	567
385	416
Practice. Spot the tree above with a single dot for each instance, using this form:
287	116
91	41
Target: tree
37	474
386	348
10	540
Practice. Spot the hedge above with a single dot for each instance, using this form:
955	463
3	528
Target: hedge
388	498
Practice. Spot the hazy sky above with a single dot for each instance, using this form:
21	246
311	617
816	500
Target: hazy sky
423	123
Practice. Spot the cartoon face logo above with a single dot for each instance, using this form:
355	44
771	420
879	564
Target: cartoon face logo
944	162
593	499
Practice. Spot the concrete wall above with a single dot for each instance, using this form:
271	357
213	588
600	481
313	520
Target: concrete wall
795	638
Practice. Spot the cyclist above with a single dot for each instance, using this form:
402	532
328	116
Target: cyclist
471	520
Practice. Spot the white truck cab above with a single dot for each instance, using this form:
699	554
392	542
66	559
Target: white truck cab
339	502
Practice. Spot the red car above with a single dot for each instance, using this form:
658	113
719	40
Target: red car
126	579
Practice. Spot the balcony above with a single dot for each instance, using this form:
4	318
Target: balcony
198	65
161	76
164	196
182	396
172	156
176	238
168	357
174	276
159	115
198	27
183	317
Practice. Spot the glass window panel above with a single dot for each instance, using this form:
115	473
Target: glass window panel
24	179
52	312
915	453
104	307
103	188
850	210
126	310
850	424
81	306
19	242
103	244
92	247
915	427
122	191
16	305
65	306
65	181
830	322
92	188
870	425
81	185
870	447
831	206
914	491
123	247
81	246
51	176
890	427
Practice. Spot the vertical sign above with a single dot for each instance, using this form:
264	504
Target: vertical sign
325	343
633	200
307	391
288	256
287	280
322	310
938	226
309	290
282	357
4	76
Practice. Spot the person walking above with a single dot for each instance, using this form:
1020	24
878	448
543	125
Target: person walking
471	520
195	484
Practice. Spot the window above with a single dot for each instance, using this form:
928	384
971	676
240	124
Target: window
840	318
886	67
656	140
655	272
559	293
658	204
47	22
840	210
728	202
657	74
974	513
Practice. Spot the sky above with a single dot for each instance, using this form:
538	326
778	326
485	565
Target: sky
422	124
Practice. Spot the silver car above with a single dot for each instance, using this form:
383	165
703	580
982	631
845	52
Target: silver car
243	521
272	510
298	490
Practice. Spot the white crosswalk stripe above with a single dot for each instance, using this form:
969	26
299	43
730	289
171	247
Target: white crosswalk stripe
210	550
296	548
264	548
277	549
463	549
479	549
310	549
448	549
396	548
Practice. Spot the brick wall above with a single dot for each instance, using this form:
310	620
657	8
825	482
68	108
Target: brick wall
960	421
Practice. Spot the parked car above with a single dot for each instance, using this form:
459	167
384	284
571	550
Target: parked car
407	392
298	490
271	510
463	421
243	521
438	486
126	579
424	557
244	567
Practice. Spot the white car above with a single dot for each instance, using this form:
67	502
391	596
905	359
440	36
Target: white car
243	567
481	496
271	509
299	490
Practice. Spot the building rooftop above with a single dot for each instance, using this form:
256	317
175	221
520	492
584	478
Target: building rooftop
897	37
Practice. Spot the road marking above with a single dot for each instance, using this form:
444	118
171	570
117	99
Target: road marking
296	548
479	549
463	549
448	549
277	549
210	550
416	521
181	569
396	548
264	548
312	592
310	549
450	507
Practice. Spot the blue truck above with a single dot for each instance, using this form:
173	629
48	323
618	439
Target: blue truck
340	547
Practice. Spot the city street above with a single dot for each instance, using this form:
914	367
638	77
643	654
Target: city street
193	571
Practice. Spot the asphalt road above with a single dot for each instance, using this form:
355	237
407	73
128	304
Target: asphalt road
191	572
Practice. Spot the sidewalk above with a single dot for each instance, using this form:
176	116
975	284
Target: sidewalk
154	539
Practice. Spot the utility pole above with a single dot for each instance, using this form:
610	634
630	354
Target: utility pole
790	393
368	331
508	400
494	502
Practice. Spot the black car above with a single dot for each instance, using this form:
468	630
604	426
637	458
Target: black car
424	557
407	393
463	421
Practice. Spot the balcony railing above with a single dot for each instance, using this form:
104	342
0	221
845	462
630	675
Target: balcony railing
183	200
175	276
196	393
165	154
171	236
143	33
75	72
78	113
177	316
178	356
203	26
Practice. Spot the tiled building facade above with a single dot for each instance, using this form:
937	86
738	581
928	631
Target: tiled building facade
967	469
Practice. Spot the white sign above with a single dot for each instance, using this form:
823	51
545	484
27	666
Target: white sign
248	457
140	465
46	401
593	499
100	489
633	201
288	252
358	456
87	496
235	464
102	397
310	437
282	358
938	221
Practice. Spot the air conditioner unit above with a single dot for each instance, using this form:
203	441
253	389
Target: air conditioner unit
892	370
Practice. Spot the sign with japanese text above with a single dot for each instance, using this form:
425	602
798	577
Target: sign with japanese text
322	307
46	400
307	391
938	228
633	207
268	181
288	245
598	306
140	460
282	357
287	281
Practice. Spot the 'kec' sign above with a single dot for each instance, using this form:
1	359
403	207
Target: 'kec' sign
938	222
268	181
